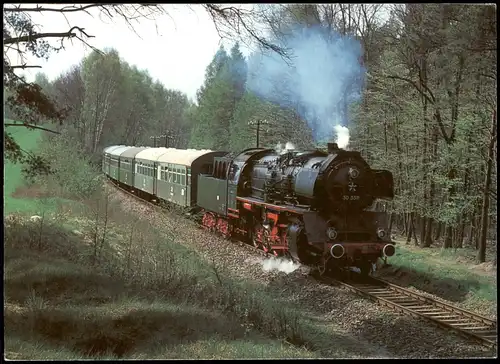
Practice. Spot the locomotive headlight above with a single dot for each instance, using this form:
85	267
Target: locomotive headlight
353	172
332	233
381	233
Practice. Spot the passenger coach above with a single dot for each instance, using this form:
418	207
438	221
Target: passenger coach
166	174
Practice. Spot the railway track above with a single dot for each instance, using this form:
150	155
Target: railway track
466	323
402	300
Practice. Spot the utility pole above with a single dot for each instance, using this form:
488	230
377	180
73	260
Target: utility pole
168	136
154	137
258	122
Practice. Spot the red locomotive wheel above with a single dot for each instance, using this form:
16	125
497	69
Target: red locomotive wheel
255	238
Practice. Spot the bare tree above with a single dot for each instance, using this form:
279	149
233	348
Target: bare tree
22	36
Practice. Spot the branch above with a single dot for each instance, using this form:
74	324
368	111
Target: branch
33	126
226	13
414	84
24	66
66	9
32	37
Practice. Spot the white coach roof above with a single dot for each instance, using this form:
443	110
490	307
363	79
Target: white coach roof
113	147
119	150
151	154
182	156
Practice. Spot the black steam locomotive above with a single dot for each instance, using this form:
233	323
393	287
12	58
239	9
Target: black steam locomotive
312	206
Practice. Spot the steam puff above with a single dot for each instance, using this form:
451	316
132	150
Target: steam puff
282	265
322	78
342	136
288	146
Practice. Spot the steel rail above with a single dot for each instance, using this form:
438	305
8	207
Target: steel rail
468	324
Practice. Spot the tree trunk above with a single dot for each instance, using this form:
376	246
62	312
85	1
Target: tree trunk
423	228
391	220
410	228
427	242
448	237
459	243
481	255
448	240
415	240
406	219
438	231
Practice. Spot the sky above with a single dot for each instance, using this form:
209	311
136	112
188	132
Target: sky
176	49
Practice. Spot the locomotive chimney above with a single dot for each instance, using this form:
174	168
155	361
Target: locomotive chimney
332	147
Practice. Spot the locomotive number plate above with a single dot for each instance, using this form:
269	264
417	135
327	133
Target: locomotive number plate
350	198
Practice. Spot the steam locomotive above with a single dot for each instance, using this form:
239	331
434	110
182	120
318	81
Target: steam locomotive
312	206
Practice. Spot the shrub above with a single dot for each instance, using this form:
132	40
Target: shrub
72	173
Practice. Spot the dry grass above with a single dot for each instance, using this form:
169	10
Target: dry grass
451	274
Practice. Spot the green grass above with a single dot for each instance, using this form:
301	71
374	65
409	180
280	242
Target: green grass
13	178
450	274
57	307
28	140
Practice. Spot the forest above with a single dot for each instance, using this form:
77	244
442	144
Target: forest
421	103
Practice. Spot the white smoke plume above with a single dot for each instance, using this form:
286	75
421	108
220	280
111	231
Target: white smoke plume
342	133
323	77
282	265
288	146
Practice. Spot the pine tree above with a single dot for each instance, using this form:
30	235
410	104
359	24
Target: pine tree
215	100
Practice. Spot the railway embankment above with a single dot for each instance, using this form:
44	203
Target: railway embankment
450	274
108	284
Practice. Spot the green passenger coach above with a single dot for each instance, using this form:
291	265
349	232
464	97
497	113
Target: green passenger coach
165	174
127	165
145	169
174	175
114	163
178	174
107	158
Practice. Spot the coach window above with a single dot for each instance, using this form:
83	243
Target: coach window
189	176
170	173
218	167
